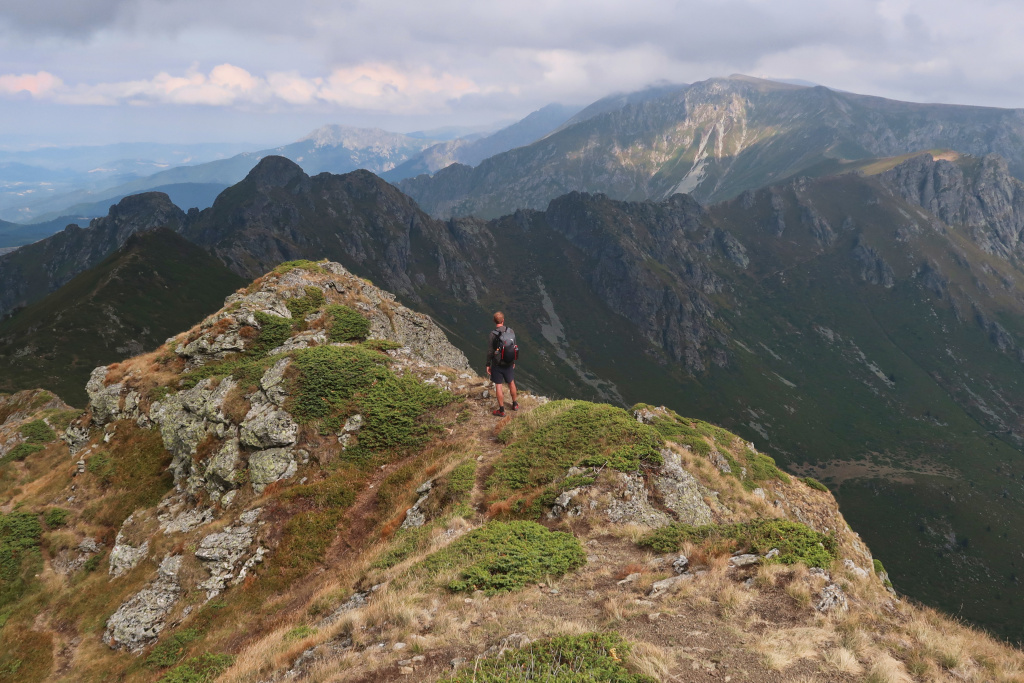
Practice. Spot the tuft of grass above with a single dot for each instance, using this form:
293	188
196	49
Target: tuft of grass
505	556
796	542
299	632
563	659
202	669
814	484
169	652
347	324
564	434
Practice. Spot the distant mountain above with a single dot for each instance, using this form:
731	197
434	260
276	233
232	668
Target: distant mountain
473	150
16	234
184	195
713	140
152	287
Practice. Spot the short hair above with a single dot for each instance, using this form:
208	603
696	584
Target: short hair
499	318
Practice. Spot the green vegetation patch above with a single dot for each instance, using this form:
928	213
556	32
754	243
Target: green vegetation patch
301	306
246	370
56	517
586	658
461	479
169	652
38	431
61	419
288	266
505	556
274	331
20	452
814	484
335	382
796	542
20	560
347	324
206	667
564	434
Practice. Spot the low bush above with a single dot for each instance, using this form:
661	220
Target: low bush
586	658
202	669
274	331
505	556
796	542
347	325
171	650
20	452
37	432
461	479
56	517
301	306
564	434
20	560
814	484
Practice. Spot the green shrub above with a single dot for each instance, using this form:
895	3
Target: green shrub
302	306
403	545
245	369
21	451
347	325
20	560
563	434
587	658
274	331
170	651
334	382
761	467
38	431
102	466
93	563
796	542
201	669
381	344
814	484
56	517
461	479
505	556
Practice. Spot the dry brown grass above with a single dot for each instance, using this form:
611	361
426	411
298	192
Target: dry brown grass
843	661
782	648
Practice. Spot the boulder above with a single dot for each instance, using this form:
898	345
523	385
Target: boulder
273	383
267	426
681	492
140	619
270	465
831	598
105	401
124	556
222	469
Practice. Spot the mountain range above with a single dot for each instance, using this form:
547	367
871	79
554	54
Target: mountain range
865	328
713	140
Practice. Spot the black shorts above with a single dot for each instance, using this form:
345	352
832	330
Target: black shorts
503	374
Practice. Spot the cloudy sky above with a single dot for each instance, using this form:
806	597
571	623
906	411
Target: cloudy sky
268	71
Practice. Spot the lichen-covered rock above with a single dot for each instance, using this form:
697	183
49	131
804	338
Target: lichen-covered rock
222	469
273	384
124	556
831	598
139	621
221	552
186	520
185	419
267	426
105	401
681	492
632	505
270	465
303	340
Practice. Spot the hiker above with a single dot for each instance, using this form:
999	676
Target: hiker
501	361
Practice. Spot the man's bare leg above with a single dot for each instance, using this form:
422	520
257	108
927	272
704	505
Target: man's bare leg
501	396
511	391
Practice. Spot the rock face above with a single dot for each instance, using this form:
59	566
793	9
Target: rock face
140	619
681	492
268	466
980	194
222	552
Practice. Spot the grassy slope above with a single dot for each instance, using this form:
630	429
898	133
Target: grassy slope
152	288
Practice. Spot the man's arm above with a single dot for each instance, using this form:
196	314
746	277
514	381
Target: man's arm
490	349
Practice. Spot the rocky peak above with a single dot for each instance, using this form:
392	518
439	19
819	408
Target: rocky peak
274	171
145	211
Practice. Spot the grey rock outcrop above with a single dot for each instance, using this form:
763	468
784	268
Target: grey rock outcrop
105	401
831	598
139	621
631	503
222	552
681	492
270	465
267	426
125	556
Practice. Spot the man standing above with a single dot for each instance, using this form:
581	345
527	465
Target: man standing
501	361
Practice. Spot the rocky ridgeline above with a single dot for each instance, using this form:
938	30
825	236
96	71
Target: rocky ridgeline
246	451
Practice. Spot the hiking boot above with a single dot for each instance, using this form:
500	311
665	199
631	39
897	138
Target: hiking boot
500	412
515	405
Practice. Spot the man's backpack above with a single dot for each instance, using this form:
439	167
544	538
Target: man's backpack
507	351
